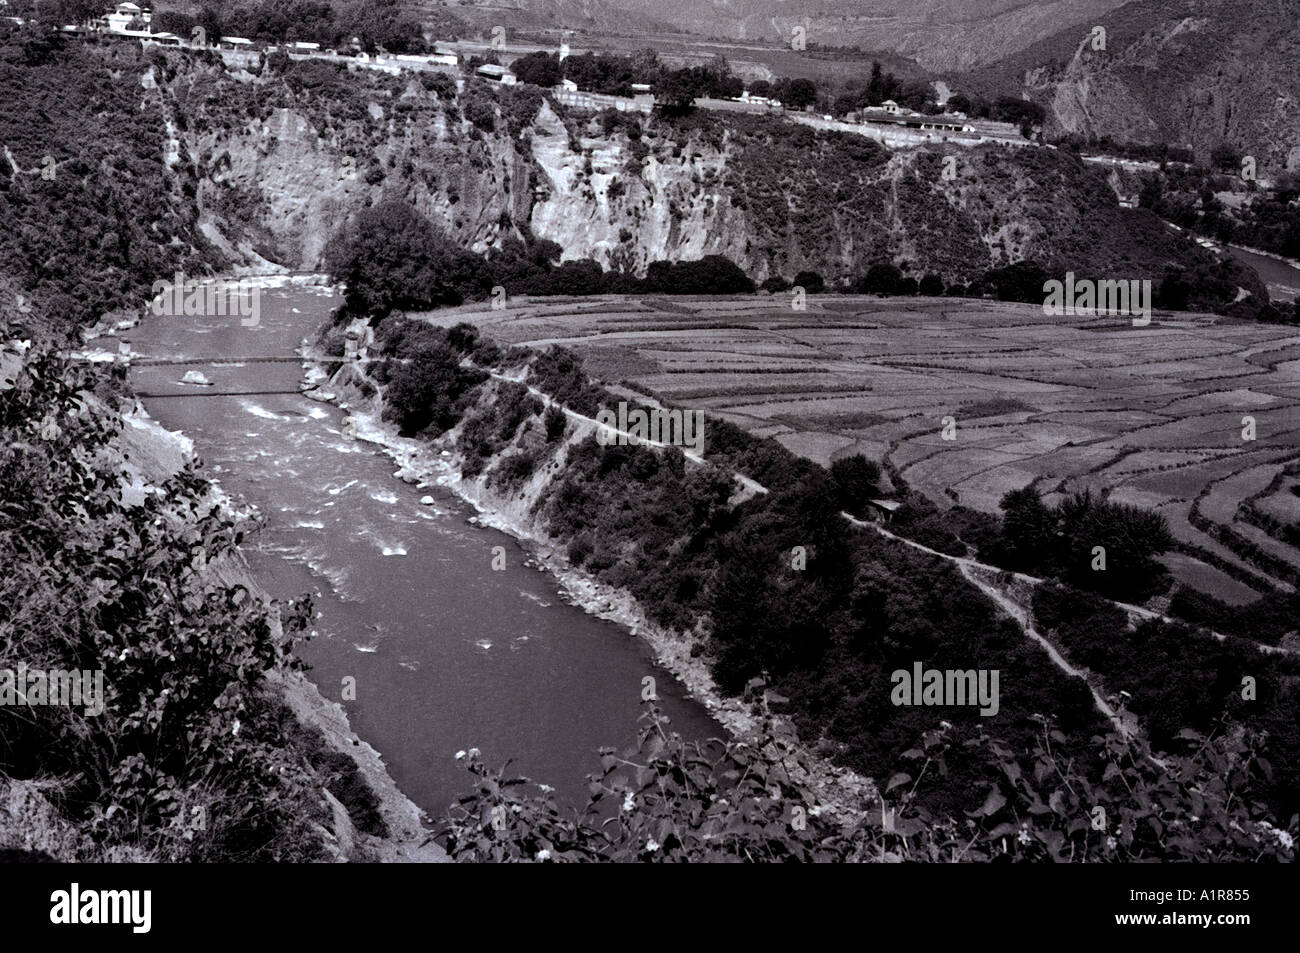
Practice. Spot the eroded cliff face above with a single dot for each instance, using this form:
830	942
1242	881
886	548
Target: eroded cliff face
282	162
279	186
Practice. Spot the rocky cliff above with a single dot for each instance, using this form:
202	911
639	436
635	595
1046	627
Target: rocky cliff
282	161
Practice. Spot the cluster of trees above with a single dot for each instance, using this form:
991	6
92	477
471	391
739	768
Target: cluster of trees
1090	542
1210	285
426	387
615	75
856	480
375	24
1022	112
1207	287
678	88
393	258
882	86
1268	220
1161	152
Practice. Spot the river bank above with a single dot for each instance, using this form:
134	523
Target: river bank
436	464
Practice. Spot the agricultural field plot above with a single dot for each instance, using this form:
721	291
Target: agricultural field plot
1283	504
1195	416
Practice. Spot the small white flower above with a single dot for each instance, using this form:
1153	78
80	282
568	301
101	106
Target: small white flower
629	802
235	728
945	725
543	854
651	845
1111	842
1023	837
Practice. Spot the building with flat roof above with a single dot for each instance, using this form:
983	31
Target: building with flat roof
497	74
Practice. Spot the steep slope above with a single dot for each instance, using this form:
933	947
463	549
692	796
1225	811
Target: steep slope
1194	72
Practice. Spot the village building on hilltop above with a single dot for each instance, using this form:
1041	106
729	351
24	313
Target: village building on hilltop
127	18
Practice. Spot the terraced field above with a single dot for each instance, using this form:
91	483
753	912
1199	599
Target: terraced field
1155	416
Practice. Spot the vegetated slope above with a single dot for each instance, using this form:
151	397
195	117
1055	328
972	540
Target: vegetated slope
284	161
96	202
1187	72
203	741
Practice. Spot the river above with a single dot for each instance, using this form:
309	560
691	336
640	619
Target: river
447	653
1281	276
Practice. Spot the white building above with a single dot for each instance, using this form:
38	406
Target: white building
127	18
497	74
747	97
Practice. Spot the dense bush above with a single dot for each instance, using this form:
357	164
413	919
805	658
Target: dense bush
856	480
91	156
392	257
189	759
673	801
1179	679
1090	542
426	388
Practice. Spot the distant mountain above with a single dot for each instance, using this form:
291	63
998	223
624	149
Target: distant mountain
939	34
1185	72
